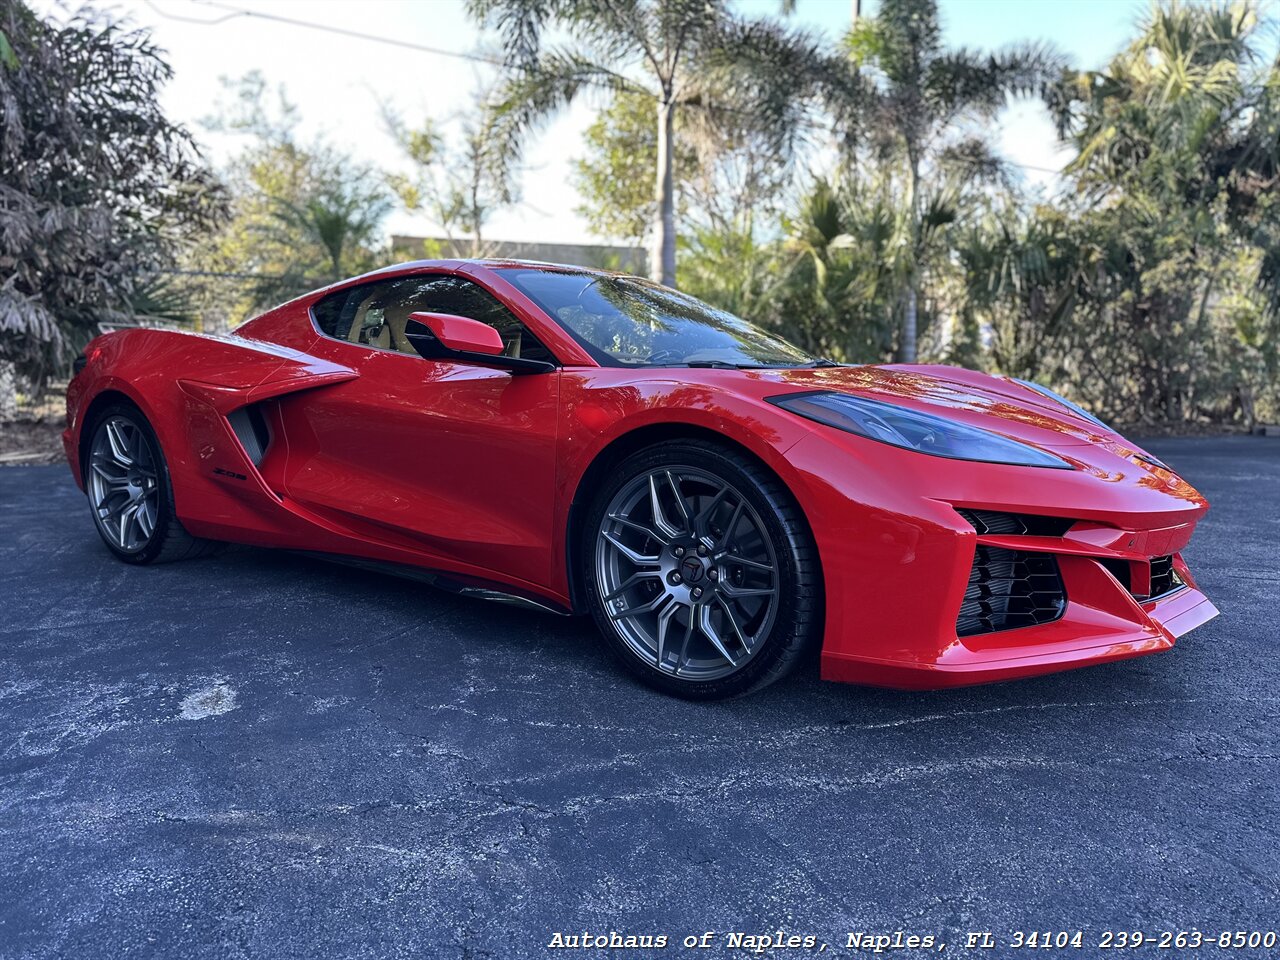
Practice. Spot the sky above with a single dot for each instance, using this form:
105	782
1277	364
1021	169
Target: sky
338	81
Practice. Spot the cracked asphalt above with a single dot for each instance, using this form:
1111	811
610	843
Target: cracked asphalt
265	755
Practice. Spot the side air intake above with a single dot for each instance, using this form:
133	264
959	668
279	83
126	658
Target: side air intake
251	430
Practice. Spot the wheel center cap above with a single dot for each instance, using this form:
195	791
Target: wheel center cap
691	569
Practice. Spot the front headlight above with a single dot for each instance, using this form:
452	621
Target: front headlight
1073	407
913	430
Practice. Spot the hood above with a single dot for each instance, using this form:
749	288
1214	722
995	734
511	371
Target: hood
993	403
1000	405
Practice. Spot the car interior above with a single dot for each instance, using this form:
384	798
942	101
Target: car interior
380	319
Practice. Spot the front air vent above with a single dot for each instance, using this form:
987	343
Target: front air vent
251	430
1009	589
1164	579
993	523
1121	570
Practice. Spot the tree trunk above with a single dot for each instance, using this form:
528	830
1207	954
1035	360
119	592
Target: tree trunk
662	258
8	392
477	239
910	323
1247	410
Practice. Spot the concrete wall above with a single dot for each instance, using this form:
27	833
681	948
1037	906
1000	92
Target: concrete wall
629	259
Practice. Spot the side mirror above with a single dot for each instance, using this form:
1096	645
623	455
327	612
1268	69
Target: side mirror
454	333
447	336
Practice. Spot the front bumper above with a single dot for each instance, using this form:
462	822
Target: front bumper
1084	636
897	557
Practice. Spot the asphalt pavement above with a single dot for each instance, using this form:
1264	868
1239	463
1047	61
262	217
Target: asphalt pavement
264	755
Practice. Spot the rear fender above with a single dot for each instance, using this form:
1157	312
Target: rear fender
190	387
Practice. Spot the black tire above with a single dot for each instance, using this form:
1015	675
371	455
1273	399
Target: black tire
796	622
168	540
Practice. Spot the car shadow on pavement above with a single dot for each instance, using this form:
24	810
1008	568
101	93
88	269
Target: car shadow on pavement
463	643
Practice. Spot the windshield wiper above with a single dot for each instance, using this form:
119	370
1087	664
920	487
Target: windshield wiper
821	362
728	365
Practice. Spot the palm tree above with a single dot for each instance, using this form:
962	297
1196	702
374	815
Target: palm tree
848	256
904	94
1189	117
1026	272
1179	136
693	55
1178	87
335	218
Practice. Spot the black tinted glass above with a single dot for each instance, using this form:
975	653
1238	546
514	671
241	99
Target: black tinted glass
375	314
633	322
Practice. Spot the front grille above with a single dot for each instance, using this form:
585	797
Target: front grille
1164	579
1008	589
992	522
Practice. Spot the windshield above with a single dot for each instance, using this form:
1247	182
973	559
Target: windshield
626	321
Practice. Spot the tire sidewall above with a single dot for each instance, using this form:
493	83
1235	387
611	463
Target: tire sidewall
765	498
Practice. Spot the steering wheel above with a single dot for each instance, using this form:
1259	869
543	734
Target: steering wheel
662	355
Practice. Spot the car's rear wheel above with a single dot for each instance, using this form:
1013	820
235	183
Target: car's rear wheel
702	574
130	493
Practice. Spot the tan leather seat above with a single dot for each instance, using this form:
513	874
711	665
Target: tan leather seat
356	333
390	333
393	324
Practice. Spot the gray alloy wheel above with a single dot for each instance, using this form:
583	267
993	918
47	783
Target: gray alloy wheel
687	573
130	495
123	484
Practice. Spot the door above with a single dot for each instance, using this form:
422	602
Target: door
454	460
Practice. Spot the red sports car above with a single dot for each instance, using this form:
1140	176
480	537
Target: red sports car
717	499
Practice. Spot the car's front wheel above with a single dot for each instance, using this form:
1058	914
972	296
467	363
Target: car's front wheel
130	493
702	574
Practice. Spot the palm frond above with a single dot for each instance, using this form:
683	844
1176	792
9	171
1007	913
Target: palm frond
529	98
774	73
962	80
163	297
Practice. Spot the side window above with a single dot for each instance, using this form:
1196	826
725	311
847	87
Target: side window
375	314
329	314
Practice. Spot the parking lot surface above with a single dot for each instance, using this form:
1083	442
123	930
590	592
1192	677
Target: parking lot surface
265	755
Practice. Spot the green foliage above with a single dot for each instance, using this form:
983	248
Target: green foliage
685	56
99	189
1149	294
846	250
735	271
161	299
1177	158
904	99
8	59
615	178
459	186
303	214
1024	273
